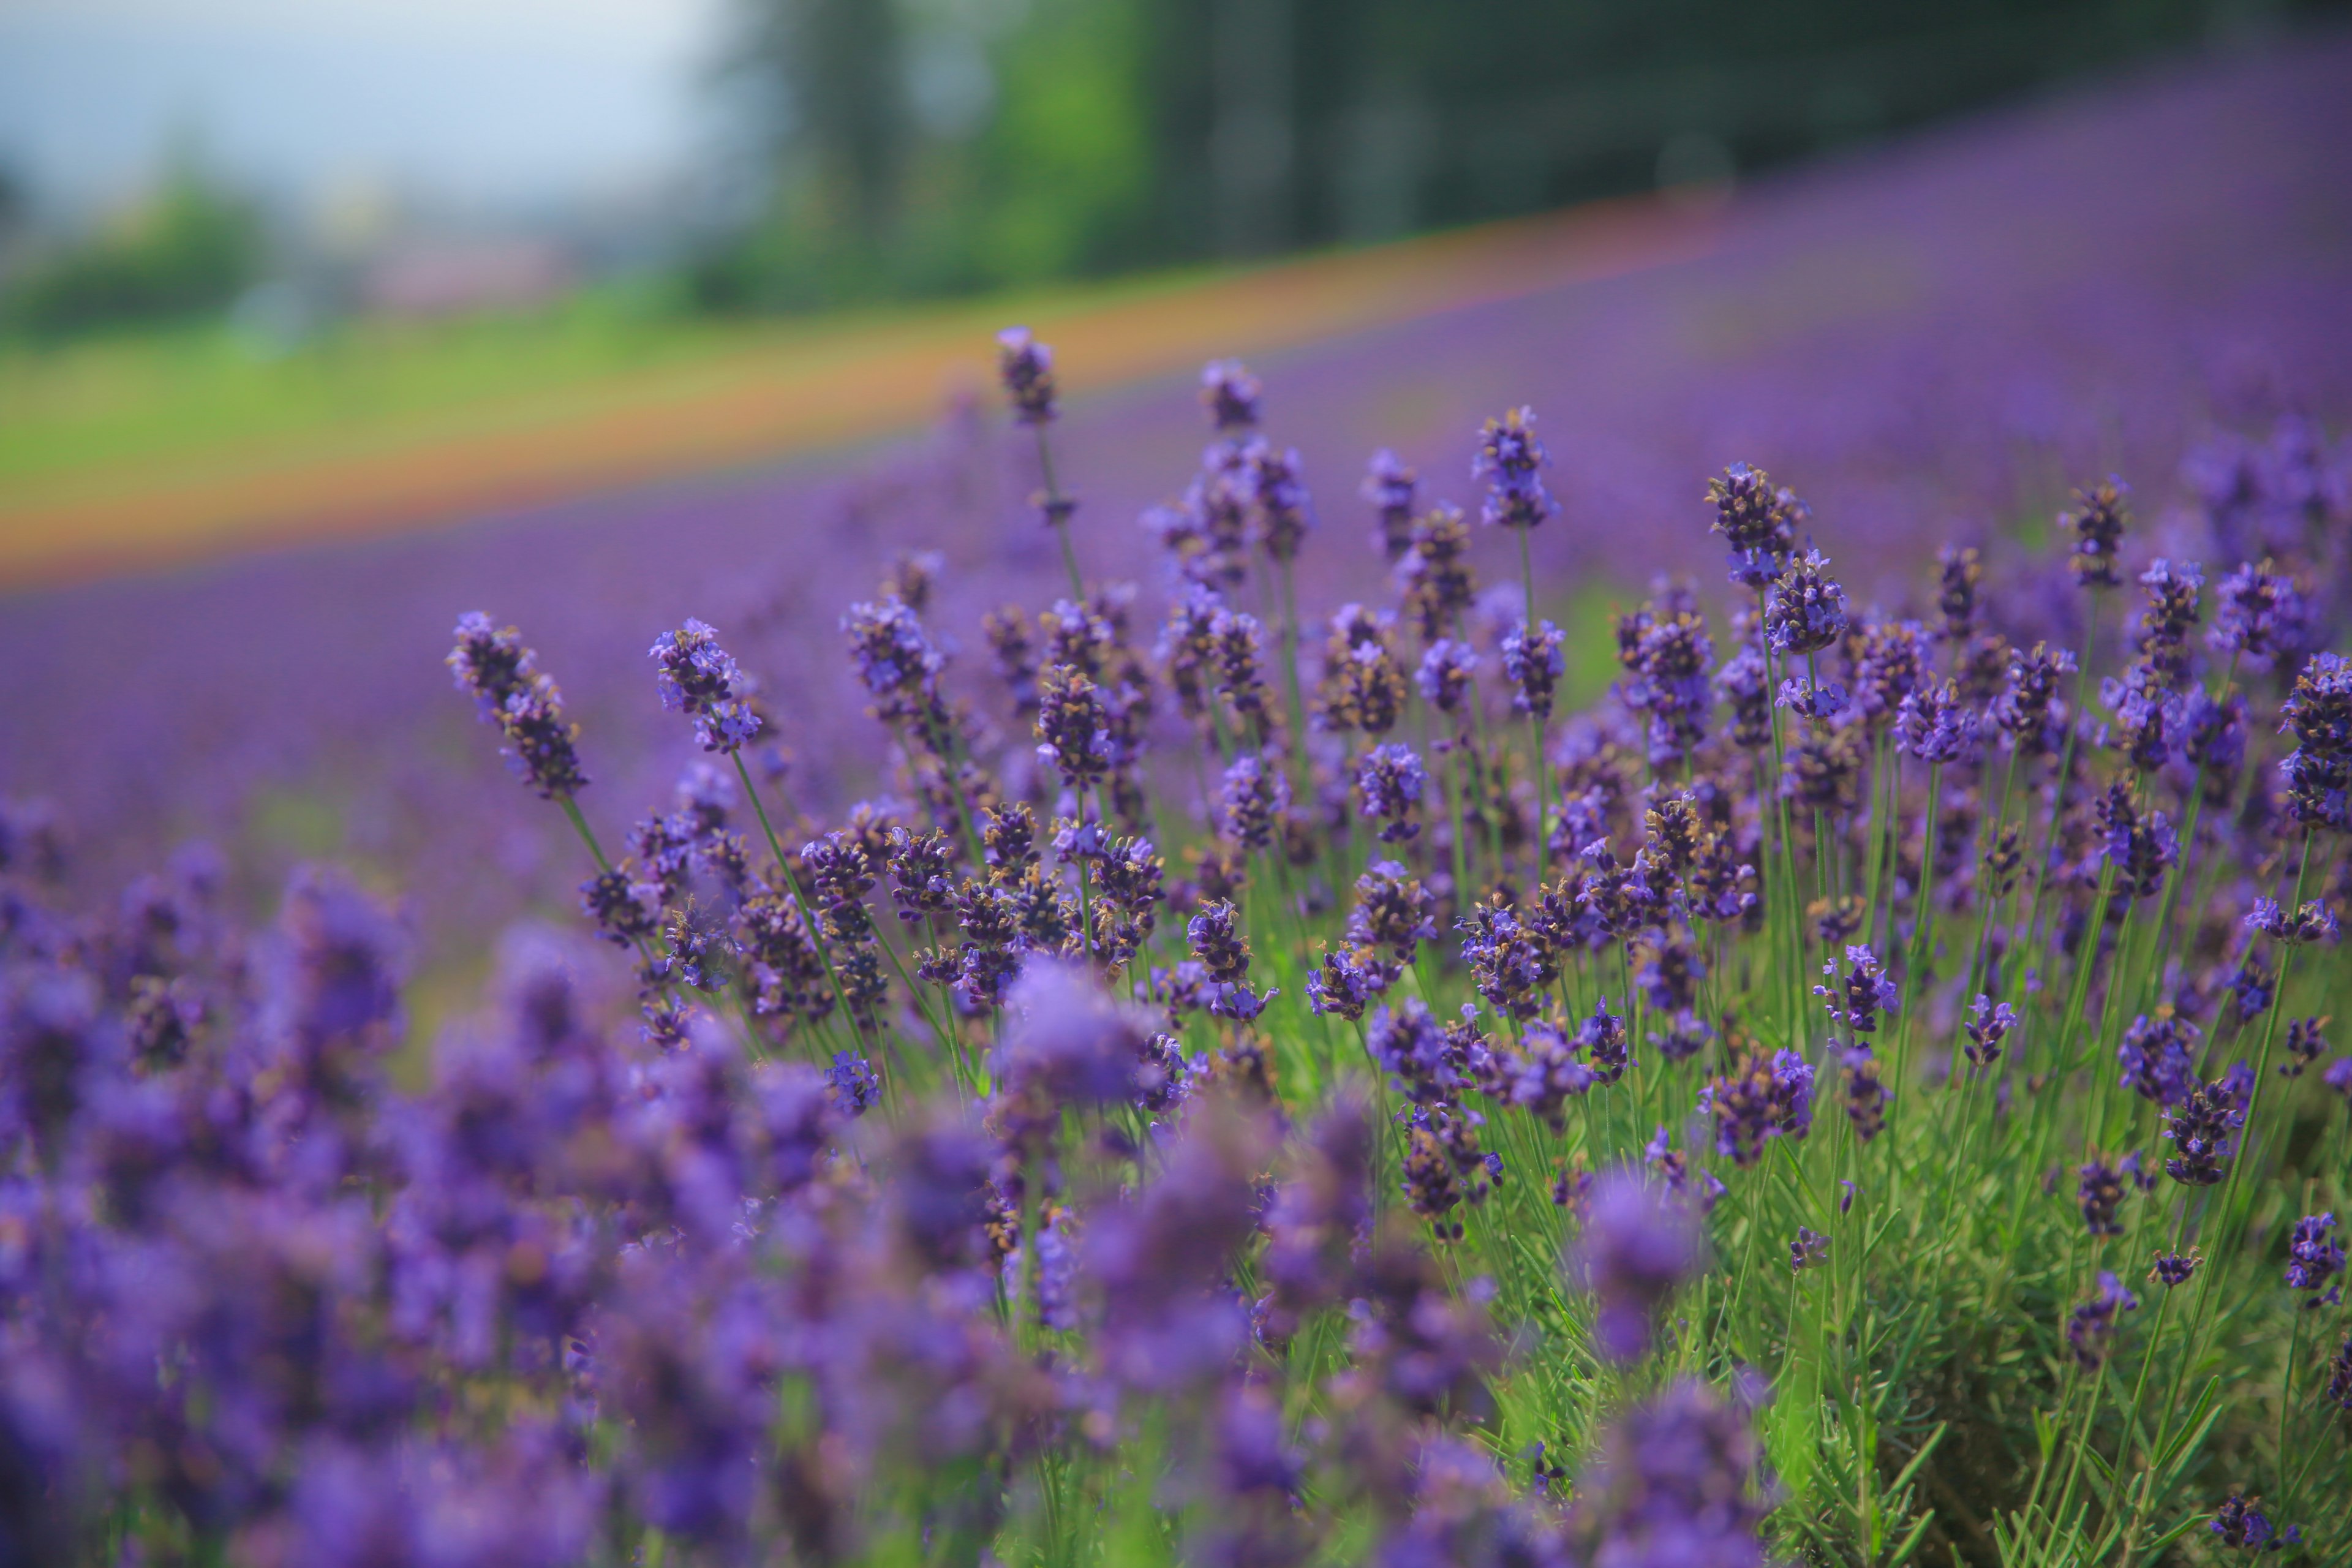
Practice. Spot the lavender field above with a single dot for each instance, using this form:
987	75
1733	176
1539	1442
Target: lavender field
1174	990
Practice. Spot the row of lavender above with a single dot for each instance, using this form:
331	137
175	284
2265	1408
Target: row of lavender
1424	1168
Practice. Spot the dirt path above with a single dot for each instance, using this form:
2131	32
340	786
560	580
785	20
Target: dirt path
762	403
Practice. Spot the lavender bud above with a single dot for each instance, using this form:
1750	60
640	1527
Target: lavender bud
1509	459
1635	1250
1026	366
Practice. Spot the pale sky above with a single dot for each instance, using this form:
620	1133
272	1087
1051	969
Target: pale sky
493	101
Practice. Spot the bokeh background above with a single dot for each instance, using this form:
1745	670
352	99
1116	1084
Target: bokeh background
322	321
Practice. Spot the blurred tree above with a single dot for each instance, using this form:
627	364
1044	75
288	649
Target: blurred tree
929	146
191	248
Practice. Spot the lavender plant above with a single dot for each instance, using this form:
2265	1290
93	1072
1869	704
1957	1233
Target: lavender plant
1172	1120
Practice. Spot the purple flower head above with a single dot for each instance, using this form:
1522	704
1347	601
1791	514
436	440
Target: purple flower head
2259	617
1509	459
1740	682
1390	781
1756	521
1393	910
2314	922
2158	1057
1251	800
2313	1259
857	1087
1075	733
1636	1249
2213	734
1284	513
1348	980
1443	677
895	658
1676	1480
1408	1044
1804	609
1933	725
1892	659
2138	846
1762	1099
2028	709
2199	1127
2242	1527
2172	1268
541	742
1806	700
2174	595
2338	1076
1160	1256
2148	716
1545	1074
2097	523
1865	1094
1068	1041
1533	665
1864	992
2318	772
1026	366
2099	1193
1808	1249
2304	1045
2092	1329
1601	1038
691	669
1389	485
1988	1025
1231	394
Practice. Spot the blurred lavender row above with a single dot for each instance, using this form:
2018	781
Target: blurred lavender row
2154	279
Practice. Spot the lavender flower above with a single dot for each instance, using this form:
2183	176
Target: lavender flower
1808	1249
1804	609
2175	593
1762	1099
1389	485
1393	911
1446	668
2099	1192
1988	1025
1231	396
1676	1479
2304	1045
2174	1267
1635	1251
499	672
2318	772
2097	523
2199	1127
2313	921
1866	1096
2028	709
2242	1527
1389	779
2259	617
1755	521
1250	803
2091	1330
2315	1259
1806	700
2158	1057
1026	366
1933	725
1074	728
1347	981
1862	994
1510	459
1533	665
